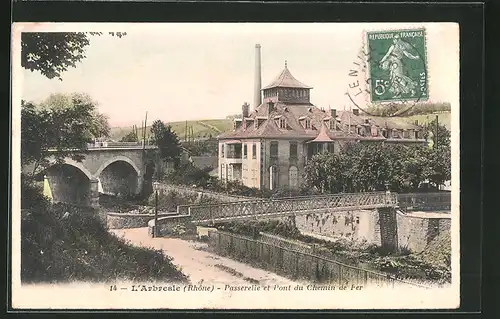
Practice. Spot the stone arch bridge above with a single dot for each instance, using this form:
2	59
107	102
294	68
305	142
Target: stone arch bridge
108	168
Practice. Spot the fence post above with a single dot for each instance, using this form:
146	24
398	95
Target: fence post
155	228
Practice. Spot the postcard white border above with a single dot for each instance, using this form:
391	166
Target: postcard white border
85	296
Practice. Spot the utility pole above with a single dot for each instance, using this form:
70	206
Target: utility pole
437	130
155	232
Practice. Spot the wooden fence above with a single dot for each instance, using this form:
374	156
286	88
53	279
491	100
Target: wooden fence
297	264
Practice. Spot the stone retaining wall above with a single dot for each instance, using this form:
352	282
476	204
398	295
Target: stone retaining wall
398	230
171	226
123	220
416	232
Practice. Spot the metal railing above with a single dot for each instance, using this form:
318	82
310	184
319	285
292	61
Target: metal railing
425	201
284	206
134	145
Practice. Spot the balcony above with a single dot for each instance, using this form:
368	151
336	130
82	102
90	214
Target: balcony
234	154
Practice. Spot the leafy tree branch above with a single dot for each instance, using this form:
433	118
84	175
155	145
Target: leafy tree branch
52	53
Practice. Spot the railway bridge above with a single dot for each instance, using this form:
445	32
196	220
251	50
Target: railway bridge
108	167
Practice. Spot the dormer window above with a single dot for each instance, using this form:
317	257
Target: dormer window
307	124
282	123
332	125
309	109
236	124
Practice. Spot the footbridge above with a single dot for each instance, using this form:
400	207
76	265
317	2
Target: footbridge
282	207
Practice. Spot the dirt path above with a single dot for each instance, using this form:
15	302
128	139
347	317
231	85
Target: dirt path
200	265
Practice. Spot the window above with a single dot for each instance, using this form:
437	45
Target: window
416	135
244	151
307	123
282	123
293	150
406	134
331	147
395	133
274	150
222	150
293	177
254	151
332	125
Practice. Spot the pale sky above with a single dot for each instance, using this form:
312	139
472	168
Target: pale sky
202	71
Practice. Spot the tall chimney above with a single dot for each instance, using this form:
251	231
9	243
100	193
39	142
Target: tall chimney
258	78
244	110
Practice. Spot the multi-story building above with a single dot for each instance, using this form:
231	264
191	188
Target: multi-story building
269	147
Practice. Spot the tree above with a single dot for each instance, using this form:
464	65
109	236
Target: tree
439	155
441	138
167	142
130	137
52	53
369	167
56	132
99	122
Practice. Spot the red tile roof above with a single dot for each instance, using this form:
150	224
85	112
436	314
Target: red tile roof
295	116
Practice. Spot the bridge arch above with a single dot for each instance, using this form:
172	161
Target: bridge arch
119	176
68	162
118	159
68	182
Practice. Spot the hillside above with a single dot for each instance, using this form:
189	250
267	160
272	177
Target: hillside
198	129
207	128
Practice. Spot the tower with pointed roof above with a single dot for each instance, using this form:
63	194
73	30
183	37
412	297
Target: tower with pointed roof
286	88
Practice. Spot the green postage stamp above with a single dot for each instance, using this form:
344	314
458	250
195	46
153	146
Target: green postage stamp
398	69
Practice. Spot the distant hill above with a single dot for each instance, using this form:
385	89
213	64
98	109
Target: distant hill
198	129
205	128
444	119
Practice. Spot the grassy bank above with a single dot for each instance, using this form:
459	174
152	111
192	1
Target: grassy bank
63	243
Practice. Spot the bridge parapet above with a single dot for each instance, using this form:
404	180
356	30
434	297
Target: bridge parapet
286	206
122	145
425	201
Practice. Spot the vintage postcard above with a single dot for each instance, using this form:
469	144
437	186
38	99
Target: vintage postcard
235	166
